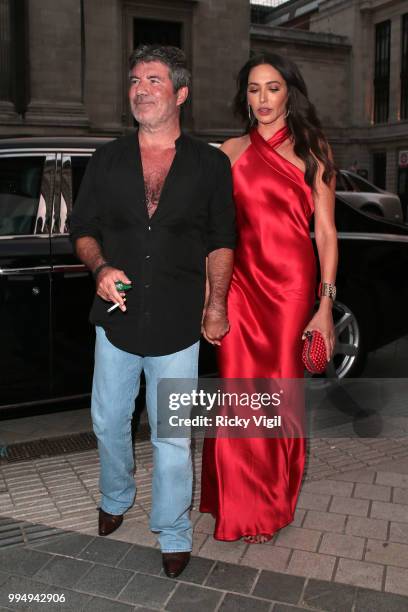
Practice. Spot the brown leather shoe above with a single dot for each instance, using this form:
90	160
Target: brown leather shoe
175	563
108	523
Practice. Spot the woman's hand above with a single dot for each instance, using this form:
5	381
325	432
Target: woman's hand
323	323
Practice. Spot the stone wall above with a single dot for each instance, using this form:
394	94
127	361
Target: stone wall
77	68
324	61
357	19
55	52
105	65
78	54
220	48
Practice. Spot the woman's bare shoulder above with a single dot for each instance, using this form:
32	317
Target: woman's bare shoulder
234	147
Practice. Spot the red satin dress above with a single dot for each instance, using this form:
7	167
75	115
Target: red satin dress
251	485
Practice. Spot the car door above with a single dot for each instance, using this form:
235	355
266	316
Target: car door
26	194
72	288
373	259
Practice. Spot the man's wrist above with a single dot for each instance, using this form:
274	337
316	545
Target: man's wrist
216	309
99	269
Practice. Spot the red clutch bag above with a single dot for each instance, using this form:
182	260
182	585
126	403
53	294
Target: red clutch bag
314	354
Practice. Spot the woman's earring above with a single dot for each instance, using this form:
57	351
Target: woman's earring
287	113
251	118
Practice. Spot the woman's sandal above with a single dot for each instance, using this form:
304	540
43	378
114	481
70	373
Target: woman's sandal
260	538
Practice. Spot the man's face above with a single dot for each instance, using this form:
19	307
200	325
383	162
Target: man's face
151	95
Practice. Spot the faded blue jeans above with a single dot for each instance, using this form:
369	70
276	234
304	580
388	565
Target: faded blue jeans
116	384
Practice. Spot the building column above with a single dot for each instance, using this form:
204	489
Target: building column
56	51
395	68
8	111
392	170
220	49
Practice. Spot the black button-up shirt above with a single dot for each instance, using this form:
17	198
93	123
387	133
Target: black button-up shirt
164	256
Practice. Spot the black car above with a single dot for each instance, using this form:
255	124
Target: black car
46	293
372	287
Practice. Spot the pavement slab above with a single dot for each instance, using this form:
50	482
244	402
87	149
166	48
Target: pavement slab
234	603
190	598
231	577
279	587
321	595
62	571
148	590
141	558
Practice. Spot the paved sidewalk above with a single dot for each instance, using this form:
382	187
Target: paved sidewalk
81	572
346	550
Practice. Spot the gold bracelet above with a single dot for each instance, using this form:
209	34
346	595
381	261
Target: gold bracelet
327	289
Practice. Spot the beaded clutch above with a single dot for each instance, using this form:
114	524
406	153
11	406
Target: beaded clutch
314	354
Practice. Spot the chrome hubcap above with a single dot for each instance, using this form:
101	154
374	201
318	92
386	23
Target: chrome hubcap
347	341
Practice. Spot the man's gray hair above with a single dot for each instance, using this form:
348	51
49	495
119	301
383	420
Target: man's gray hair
173	57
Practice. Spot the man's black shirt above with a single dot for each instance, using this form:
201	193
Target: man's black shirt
164	256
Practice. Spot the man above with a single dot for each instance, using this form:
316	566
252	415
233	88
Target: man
152	206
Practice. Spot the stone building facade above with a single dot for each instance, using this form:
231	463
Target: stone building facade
324	61
63	65
373	99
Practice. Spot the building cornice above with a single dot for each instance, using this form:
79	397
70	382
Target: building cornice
390	133
299	37
367	6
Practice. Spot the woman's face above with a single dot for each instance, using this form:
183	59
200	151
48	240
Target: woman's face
267	94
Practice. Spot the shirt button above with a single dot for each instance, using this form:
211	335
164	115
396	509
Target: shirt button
147	286
149	228
147	256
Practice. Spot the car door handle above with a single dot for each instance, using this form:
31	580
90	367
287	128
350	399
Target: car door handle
70	268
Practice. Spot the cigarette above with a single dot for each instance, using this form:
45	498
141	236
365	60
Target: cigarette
113	307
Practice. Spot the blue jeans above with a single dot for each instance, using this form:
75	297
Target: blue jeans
116	384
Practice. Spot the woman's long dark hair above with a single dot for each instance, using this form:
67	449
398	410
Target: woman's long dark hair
309	141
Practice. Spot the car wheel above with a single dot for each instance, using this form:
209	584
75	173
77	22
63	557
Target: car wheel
372	209
350	353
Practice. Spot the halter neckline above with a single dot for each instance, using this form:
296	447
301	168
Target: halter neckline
278	138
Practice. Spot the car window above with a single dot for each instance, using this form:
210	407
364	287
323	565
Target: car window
78	167
73	170
20	191
349	219
341	184
360	184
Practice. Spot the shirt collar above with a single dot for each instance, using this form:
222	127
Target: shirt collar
178	142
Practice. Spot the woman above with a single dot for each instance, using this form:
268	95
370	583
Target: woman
283	173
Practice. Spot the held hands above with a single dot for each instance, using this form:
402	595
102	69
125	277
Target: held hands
106	289
323	322
214	325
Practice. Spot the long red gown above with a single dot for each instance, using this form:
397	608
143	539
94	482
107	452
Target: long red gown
251	485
